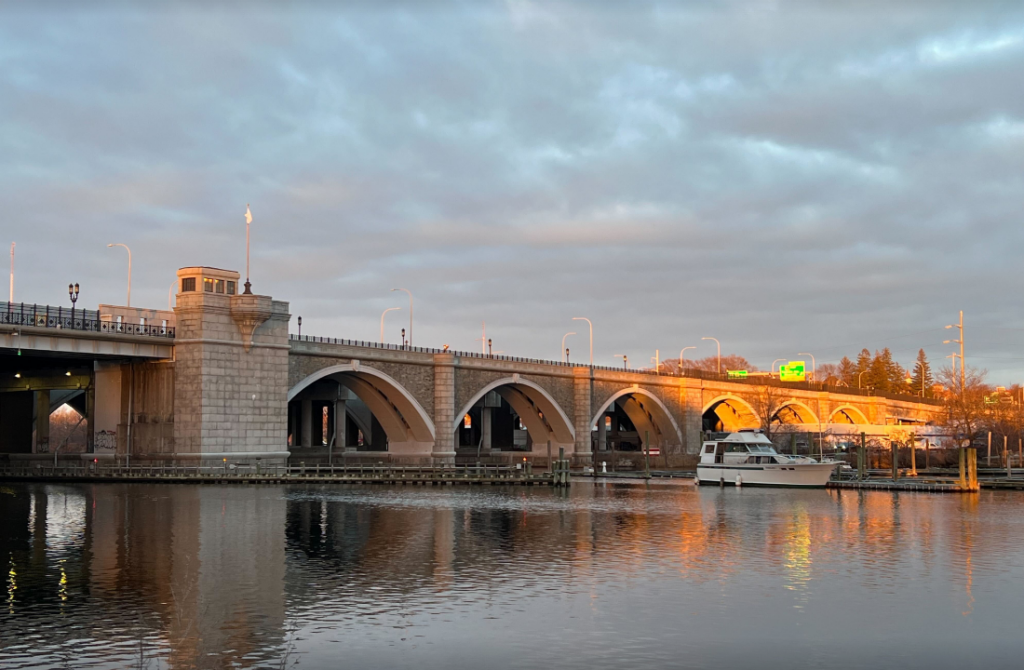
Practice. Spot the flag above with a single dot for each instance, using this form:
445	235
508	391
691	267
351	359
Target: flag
248	214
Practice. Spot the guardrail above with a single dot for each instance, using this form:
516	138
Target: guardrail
64	318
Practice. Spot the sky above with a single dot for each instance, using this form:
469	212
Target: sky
786	177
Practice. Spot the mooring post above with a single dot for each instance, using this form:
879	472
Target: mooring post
963	467
927	454
1006	456
913	455
792	443
988	457
862	457
647	454
894	447
972	469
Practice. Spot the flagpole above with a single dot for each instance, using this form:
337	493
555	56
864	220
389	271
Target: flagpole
248	220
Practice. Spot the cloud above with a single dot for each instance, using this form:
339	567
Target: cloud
782	176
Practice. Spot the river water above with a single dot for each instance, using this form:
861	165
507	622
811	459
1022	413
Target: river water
606	575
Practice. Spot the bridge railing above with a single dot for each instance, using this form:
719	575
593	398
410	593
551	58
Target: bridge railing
66	318
692	373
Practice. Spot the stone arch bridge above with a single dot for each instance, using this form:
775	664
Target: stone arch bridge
429	405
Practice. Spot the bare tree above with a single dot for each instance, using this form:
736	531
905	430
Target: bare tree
966	414
767	401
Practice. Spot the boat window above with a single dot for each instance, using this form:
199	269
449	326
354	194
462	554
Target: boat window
709	448
735	448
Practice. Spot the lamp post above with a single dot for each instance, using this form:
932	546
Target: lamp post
859	378
389	309
719	352
10	300
410	311
681	352
774	362
73	294
118	244
300	327
963	372
814	366
583	318
625	360
563	345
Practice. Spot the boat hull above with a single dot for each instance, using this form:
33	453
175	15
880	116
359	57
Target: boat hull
798	475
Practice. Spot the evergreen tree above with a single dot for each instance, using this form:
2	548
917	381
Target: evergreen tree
896	376
863	365
847	371
877	376
922	378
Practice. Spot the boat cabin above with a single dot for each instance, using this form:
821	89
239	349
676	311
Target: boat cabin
751	447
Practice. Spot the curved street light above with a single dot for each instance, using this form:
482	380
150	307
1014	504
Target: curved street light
583	318
118	244
719	352
410	311
389	309
774	362
563	346
681	352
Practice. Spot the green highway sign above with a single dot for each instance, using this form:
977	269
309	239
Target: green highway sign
794	372
737	374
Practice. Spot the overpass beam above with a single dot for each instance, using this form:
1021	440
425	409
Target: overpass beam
307	422
42	437
340	425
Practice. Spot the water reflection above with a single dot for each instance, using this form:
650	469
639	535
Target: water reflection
605	575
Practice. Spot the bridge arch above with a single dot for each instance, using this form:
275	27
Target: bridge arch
794	411
408	427
646	412
848	414
729	413
541	415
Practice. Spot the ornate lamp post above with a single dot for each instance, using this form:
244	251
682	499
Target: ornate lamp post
300	327
73	294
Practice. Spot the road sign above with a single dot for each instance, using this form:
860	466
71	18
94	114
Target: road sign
794	372
654	451
737	374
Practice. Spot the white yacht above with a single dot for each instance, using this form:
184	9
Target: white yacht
748	458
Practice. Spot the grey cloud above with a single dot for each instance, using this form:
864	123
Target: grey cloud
780	175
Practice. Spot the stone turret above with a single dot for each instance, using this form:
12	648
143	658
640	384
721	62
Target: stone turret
231	378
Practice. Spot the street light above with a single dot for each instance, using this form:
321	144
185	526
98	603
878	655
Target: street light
389	309
410	311
118	244
300	327
625	360
681	352
963	373
583	318
859	377
814	366
719	352
73	294
563	345
774	362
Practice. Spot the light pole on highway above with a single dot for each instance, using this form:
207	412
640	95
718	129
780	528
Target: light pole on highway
963	373
563	345
719	352
389	309
410	311
681	352
859	377
583	318
774	362
625	360
814	366
118	244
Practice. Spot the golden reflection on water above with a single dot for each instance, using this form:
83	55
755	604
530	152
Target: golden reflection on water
232	571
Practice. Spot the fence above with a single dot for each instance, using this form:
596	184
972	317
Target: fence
64	318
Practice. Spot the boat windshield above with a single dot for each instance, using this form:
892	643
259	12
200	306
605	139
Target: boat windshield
760	449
